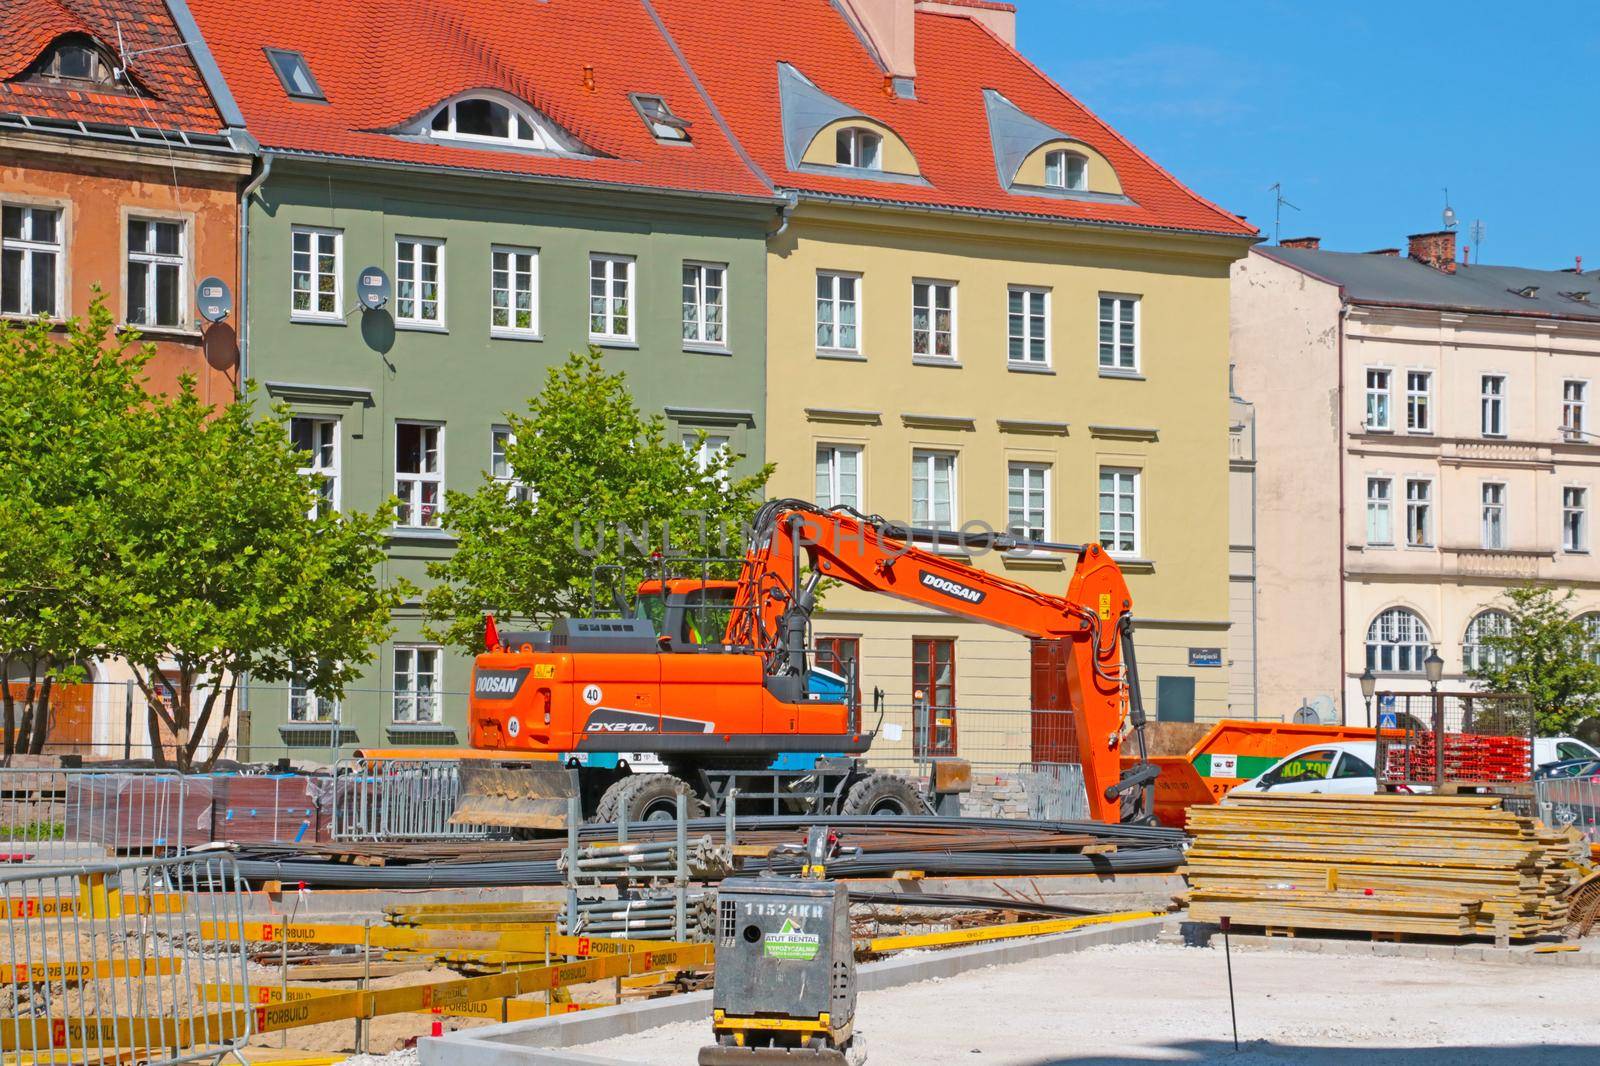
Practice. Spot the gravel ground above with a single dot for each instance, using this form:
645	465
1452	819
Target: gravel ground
1153	1003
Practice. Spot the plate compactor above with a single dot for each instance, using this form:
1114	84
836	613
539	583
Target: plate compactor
786	970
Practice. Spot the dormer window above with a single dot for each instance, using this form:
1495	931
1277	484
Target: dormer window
663	124
859	148
74	59
1066	170
480	118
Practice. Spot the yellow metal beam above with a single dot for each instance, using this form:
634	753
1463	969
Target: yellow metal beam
422	939
979	933
25	907
71	972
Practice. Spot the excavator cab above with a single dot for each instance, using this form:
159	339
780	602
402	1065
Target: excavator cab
688	613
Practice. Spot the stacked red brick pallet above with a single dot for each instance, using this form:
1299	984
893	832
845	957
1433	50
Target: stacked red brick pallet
1467	757
1395	865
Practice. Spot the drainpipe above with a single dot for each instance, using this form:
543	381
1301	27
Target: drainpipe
791	200
244	267
1344	314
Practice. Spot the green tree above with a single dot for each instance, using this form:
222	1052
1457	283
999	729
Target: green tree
590	462
70	402
225	572
1546	653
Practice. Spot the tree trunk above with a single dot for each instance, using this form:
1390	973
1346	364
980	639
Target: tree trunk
223	729
155	713
25	729
9	725
41	715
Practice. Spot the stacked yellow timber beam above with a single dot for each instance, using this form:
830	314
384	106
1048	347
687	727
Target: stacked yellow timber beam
1390	864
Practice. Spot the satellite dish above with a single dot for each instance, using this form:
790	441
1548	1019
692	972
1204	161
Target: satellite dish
1449	217
214	299
1319	710
372	288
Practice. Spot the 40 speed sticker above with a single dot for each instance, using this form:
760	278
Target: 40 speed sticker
513	725
592	695
791	942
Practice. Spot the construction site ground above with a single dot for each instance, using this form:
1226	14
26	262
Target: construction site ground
1134	1003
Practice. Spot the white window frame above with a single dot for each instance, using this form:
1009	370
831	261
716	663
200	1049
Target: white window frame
154	261
1028	318
301	696
829	468
610	277
1060	160
1497	507
1380	508
30	247
543	138
836	302
1380	400
408	484
695	287
930	307
325	469
1419	401
852	142
314	235
705	449
1575	519
412	692
1117	300
1424	504
500	441
1135	478
1493	405
417	320
1029	469
1475	654
1574	404
925	467
1405	656
514	275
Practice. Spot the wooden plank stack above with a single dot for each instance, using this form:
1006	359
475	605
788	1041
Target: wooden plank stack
1390	864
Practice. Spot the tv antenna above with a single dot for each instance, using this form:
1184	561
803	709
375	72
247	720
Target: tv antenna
1450	221
1479	231
1277	209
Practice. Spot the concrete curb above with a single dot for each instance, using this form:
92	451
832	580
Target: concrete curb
555	1041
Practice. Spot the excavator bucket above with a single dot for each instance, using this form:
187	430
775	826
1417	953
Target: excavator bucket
530	795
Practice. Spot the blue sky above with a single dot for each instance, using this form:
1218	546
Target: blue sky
1364	111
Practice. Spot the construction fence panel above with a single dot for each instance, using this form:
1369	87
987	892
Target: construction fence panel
1055	791
56	816
106	962
1566	802
401	799
1457	738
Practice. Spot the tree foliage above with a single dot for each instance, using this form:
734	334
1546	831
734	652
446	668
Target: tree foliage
591	464
1546	653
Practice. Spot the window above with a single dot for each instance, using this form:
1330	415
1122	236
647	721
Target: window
663	124
1380	506
418	474
293	74
155	272
478	118
705	447
1028	326
611	297
75	59
307	706
514	291
838	311
1028	500
1307	766
1066	170
933	489
1419	513
842	655
1378	400
933	319
30	260
1494	405
1397	642
416	684
933	696
500	441
705	303
1494	514
1353	766
839	475
856	147
318	438
1574	519
1574	396
1591	629
1119	510
1419	400
315	269
419	281
1119	333
1476	653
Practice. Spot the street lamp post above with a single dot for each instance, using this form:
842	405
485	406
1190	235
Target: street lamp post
1433	666
1369	684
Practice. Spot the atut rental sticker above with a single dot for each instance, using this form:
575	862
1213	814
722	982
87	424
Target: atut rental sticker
513	725
789	942
592	695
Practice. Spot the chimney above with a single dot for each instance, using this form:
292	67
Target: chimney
889	29
1310	244
1001	19
1437	249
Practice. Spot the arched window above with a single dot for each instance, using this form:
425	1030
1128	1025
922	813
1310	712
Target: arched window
1591	626
857	147
75	58
1066	170
1397	642
479	118
1475	653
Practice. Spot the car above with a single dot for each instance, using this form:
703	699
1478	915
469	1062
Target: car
1344	767
1548	750
1569	770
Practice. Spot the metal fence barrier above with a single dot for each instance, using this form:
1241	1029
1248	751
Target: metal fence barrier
105	962
1564	802
50	817
401	799
1457	738
1055	791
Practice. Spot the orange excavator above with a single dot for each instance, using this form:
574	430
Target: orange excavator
711	684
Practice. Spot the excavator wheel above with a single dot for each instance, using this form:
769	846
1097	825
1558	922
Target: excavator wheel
888	794
646	798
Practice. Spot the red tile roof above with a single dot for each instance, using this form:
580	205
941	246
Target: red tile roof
381	63
735	49
167	92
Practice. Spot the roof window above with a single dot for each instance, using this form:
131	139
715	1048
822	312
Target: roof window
294	73
663	124
480	118
1066	170
859	148
74	58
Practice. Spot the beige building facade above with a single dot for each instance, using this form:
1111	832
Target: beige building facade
1436	416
